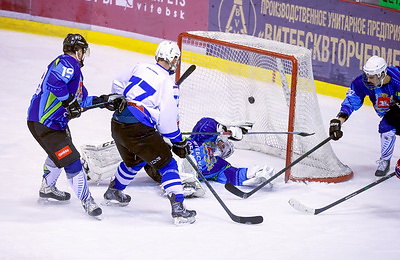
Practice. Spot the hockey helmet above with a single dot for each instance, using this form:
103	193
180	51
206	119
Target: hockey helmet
375	66
168	50
74	42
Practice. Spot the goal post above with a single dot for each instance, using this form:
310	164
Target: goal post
246	78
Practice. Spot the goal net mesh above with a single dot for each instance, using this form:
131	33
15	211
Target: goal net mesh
245	78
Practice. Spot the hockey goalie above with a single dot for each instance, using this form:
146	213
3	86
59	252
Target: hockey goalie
210	151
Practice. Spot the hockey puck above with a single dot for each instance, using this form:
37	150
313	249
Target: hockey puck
251	99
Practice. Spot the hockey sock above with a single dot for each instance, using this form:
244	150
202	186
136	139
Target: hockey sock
388	140
171	181
125	175
51	172
79	185
77	180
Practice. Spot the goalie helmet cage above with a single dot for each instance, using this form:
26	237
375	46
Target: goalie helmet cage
241	77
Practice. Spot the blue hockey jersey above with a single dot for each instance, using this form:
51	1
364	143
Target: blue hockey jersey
63	76
203	148
382	98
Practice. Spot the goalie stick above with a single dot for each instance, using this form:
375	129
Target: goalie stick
180	80
233	189
249	133
302	208
238	219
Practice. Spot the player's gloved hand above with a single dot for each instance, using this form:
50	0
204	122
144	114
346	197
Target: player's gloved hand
112	101
72	106
238	129
335	129
181	149
236	133
397	169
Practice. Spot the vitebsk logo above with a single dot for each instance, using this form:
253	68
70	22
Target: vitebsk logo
237	16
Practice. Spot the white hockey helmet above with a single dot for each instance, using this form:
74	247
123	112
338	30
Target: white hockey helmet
375	66
168	50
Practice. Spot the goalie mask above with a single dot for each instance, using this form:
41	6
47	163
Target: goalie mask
374	72
169	52
224	147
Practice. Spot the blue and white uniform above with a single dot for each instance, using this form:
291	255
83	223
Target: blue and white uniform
382	99
151	99
205	151
149	93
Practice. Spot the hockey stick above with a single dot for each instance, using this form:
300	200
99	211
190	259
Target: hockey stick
249	133
233	189
186	74
83	109
180	80
238	219
300	207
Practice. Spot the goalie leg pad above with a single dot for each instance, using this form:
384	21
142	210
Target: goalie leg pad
191	185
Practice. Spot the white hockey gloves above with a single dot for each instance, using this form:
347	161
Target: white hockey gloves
258	174
237	129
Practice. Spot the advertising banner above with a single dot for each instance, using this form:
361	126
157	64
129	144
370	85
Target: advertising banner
341	35
157	18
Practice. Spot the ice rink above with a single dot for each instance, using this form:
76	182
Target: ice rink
364	227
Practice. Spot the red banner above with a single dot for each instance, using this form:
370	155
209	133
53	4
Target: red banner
157	18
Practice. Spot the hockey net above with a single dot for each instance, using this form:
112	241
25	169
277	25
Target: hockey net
245	78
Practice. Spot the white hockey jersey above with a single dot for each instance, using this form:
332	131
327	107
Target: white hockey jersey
149	91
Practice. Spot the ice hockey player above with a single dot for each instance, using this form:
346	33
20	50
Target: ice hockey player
150	113
210	152
58	99
382	85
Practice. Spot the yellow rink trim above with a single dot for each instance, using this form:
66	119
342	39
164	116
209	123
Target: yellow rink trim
107	39
129	44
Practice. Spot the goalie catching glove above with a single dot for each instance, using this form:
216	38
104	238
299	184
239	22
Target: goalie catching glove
181	149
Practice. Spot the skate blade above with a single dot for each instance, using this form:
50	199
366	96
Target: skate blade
180	221
113	203
50	201
99	218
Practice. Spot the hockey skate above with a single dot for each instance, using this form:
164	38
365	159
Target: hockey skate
91	208
114	197
383	168
47	192
179	213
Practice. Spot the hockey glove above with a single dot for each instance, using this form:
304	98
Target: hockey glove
335	129
238	129
181	149
397	169
72	106
111	101
236	133
393	115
